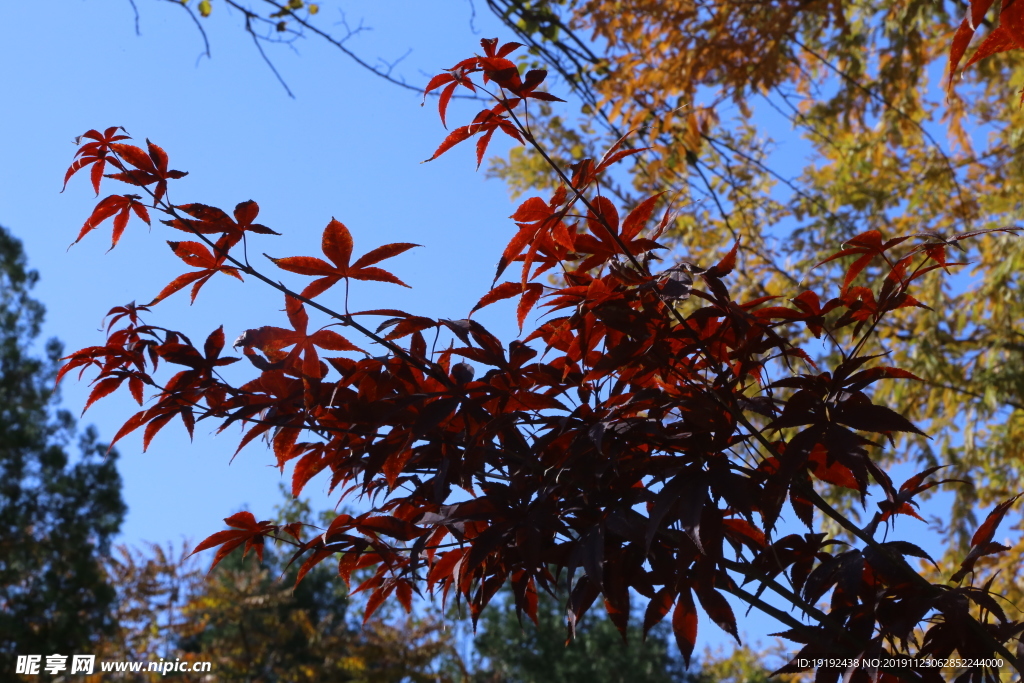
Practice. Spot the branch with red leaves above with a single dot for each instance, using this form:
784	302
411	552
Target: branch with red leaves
645	436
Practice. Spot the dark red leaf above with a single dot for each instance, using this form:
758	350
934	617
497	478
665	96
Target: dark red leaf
715	604
657	608
684	625
389	526
987	530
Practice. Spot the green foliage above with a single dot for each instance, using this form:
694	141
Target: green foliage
527	653
152	587
254	623
742	665
57	513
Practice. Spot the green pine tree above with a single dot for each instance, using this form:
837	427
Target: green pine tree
58	513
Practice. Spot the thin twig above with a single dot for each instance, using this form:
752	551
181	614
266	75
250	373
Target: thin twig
195	20
135	10
259	47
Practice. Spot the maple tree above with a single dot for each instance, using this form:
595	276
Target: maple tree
646	434
792	126
712	88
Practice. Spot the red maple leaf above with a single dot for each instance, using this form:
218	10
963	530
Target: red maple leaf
211	221
202	363
605	234
94	153
272	340
245	529
149	168
196	254
337	246
119	206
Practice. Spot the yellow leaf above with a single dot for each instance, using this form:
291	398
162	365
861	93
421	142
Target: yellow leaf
205	8
313	9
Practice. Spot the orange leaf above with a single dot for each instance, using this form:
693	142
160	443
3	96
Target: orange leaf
303	265
383	252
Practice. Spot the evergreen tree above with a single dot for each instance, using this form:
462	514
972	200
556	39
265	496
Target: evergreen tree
517	652
57	513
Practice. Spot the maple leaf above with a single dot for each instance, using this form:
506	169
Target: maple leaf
211	220
542	233
903	503
106	386
603	242
403	323
119	206
198	255
684	625
615	155
1008	35
530	293
527	87
814	313
124	350
244	529
982	543
451	79
868	245
130	311
149	168
506	74
203	364
458	74
484	124
493	47
94	153
337	246
272	340
245	213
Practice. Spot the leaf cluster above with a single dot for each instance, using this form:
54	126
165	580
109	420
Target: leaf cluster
792	126
643	438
